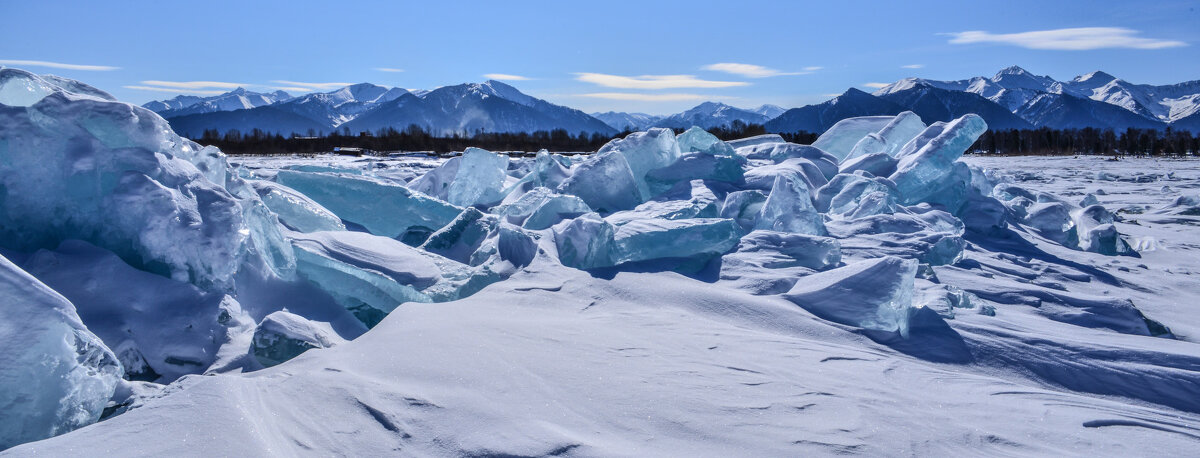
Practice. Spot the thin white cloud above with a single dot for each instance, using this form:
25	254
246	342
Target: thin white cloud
653	81
42	63
313	86
813	68
389	70
645	97
291	89
753	71
874	85
1072	39
505	77
193	84
913	66
177	90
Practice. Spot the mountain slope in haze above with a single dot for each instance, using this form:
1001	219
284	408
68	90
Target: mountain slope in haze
708	115
822	116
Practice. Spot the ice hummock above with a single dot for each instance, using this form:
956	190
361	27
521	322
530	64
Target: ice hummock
55	375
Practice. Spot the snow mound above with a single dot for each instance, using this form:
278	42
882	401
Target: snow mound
874	294
282	336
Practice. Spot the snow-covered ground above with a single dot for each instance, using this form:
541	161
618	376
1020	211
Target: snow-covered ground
668	296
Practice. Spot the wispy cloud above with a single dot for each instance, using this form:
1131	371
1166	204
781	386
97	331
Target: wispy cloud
813	68
177	90
653	81
753	71
1072	39
389	70
874	85
914	66
291	89
505	77
312	86
42	63
193	84
646	97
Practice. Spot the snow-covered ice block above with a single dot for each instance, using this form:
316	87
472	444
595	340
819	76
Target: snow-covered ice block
790	250
283	335
878	164
1097	234
696	166
1053	221
459	239
585	242
686	200
743	207
645	239
756	140
763	177
479	180
159	328
381	207
296	210
541	208
701	141
55	375
19	88
919	175
606	183
436	182
891	137
789	208
840	139
873	294
549	170
931	132
933	237
370	275
856	196
644	151
116	175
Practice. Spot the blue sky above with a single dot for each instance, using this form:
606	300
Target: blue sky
656	57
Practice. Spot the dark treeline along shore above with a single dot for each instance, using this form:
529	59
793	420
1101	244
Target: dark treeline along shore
1043	141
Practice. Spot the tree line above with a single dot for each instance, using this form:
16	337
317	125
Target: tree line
1131	142
1043	141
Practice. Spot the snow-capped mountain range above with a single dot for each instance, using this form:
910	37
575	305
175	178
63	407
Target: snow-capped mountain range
236	99
490	106
1013	98
1031	97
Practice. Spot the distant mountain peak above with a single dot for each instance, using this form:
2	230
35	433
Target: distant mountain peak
1013	70
1097	76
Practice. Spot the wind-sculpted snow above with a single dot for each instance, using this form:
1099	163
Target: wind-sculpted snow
668	294
874	294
